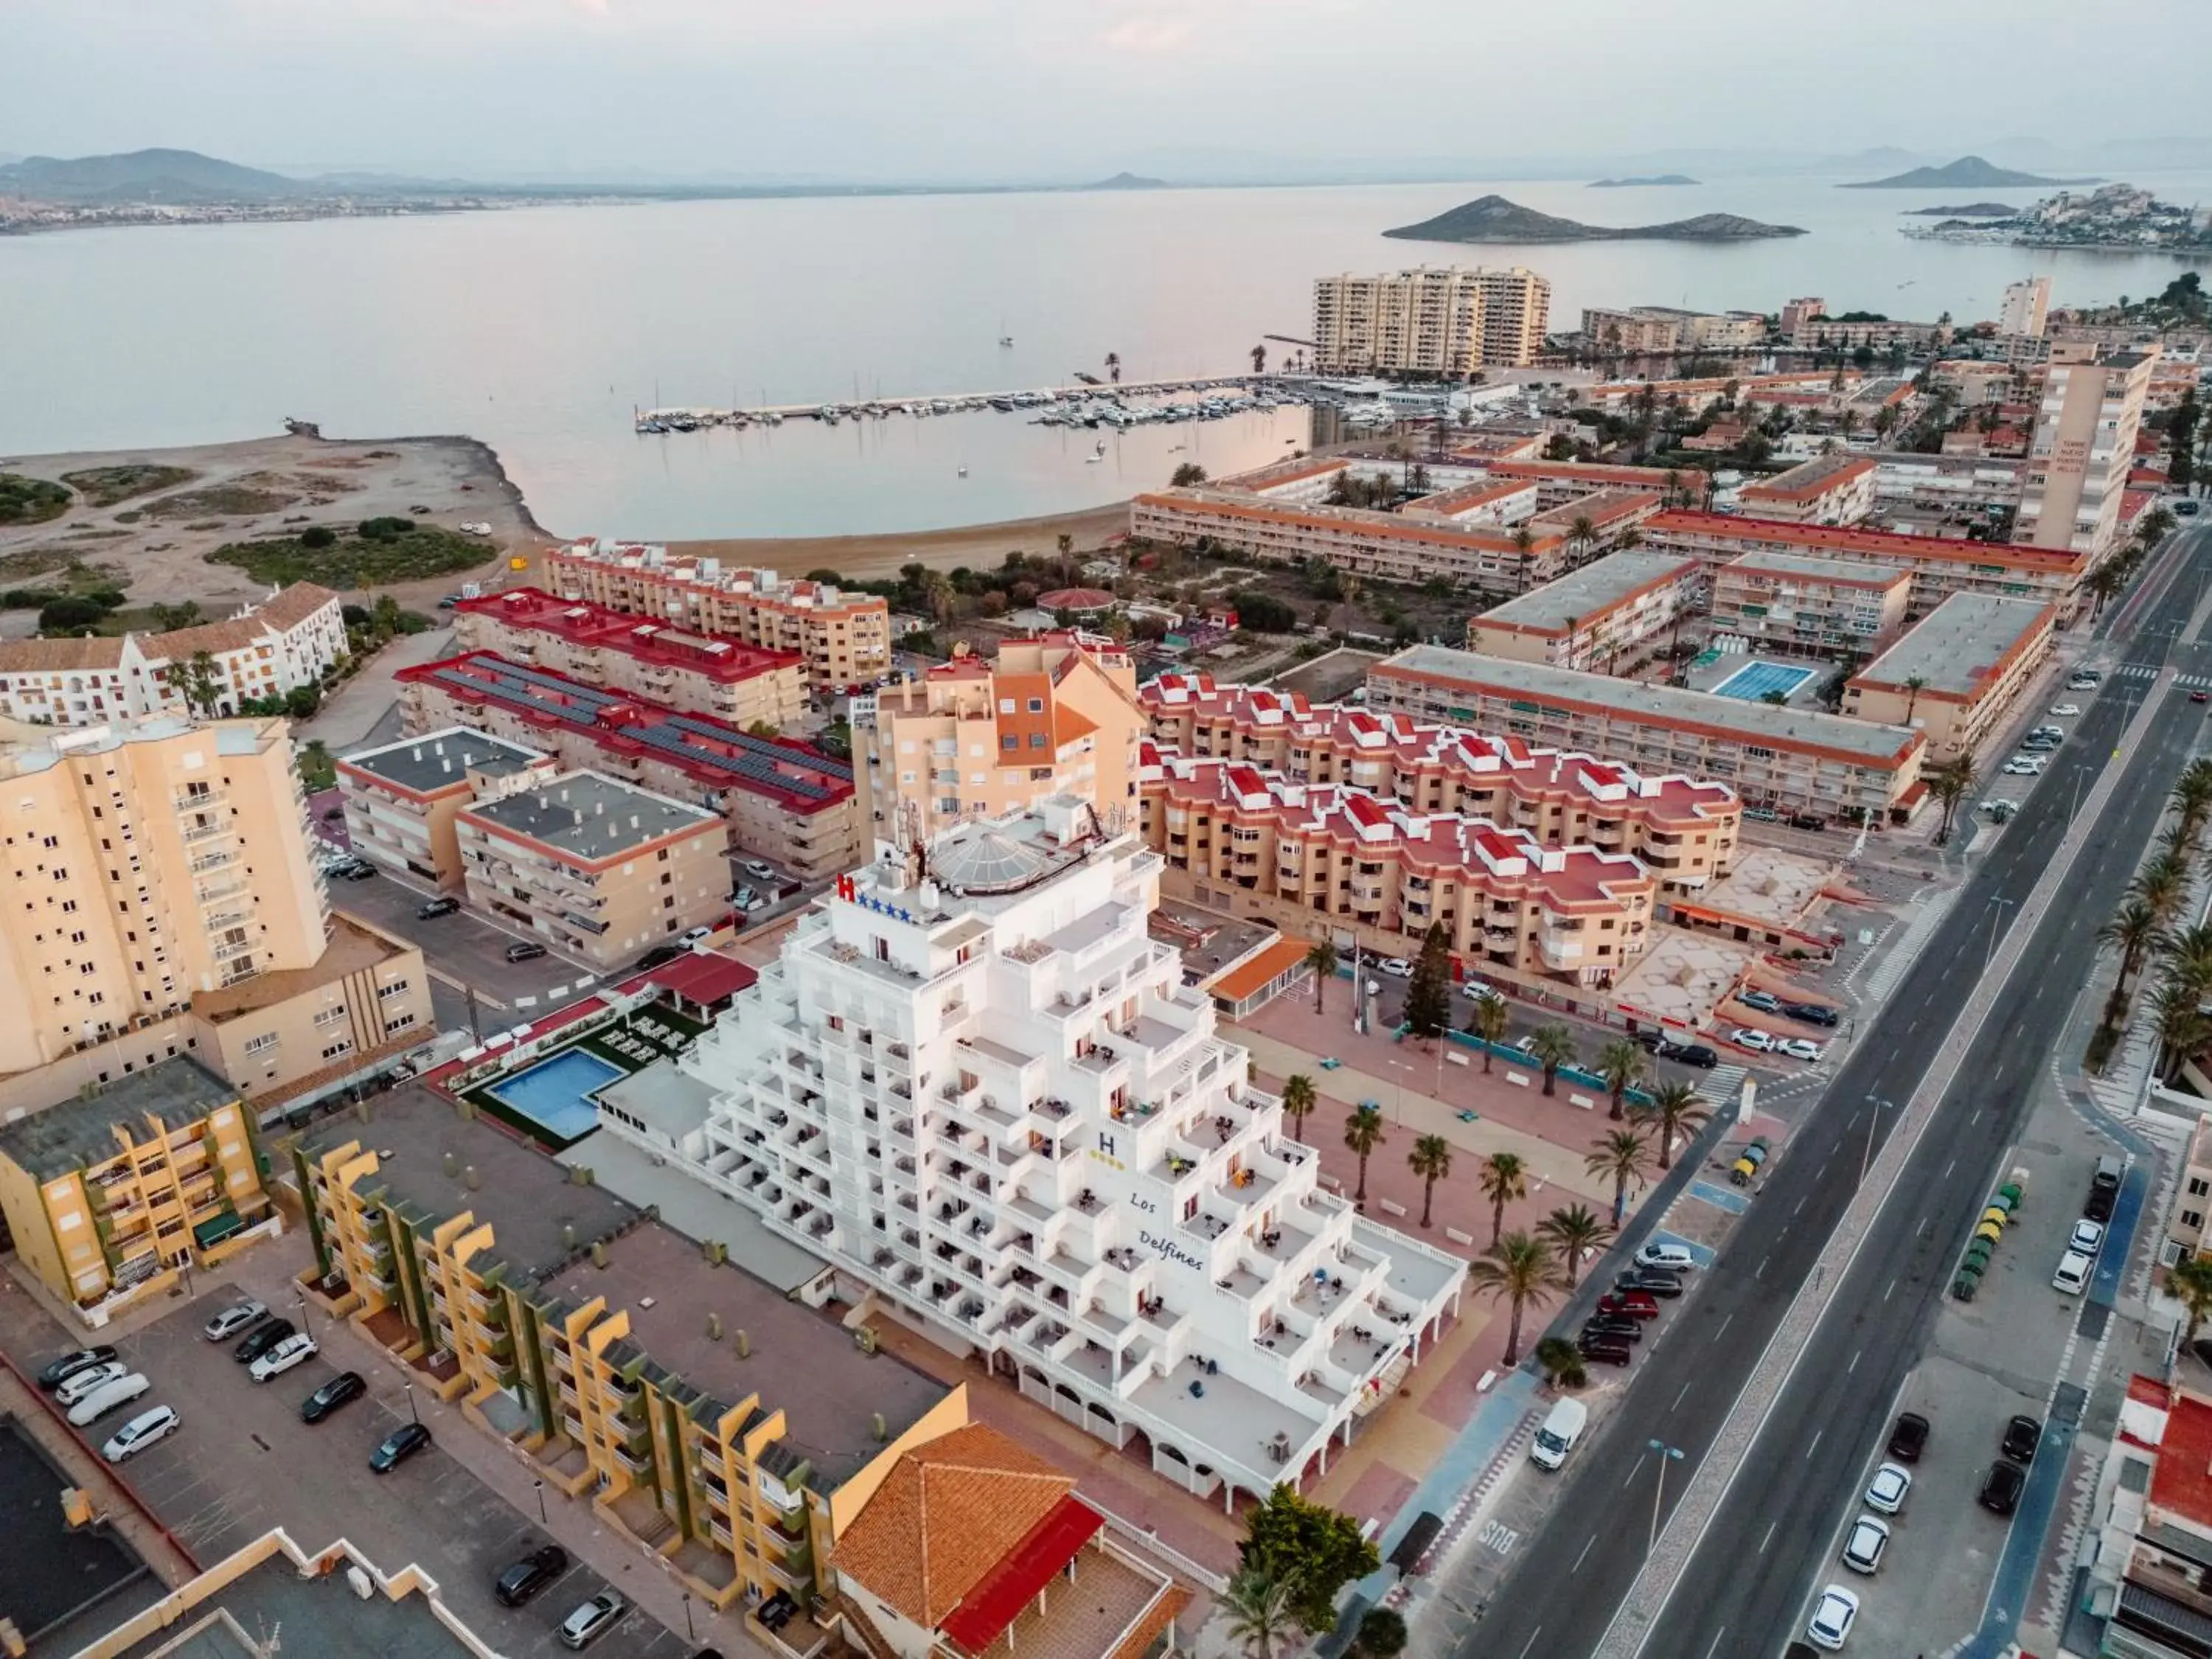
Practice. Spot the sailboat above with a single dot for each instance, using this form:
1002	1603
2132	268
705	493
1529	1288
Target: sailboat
1096	455
1005	338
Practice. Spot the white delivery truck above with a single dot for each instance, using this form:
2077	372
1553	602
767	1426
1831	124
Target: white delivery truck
1557	1435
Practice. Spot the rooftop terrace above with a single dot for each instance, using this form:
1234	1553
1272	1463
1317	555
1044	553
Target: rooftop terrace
1958	649
77	1133
590	818
441	760
1585	595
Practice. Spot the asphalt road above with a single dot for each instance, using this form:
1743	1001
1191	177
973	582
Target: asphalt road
1768	1545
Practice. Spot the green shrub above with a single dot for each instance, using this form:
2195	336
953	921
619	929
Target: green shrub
30	501
319	536
70	611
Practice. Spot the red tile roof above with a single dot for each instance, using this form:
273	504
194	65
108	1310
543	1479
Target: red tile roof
996	1602
2182	1481
581	622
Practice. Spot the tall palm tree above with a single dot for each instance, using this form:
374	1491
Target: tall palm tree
1570	1229
2181	1026
1675	1110
1262	1618
2188	955
1489	1020
1619	1158
1950	783
1298	1099
1430	1159
2191	800
2106	580
1363	1133
1552	1047
1622	1065
1321	962
1914	684
1503	1177
1516	1270
2163	884
2134	928
1114	366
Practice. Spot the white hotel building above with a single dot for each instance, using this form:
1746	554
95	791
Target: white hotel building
986	1097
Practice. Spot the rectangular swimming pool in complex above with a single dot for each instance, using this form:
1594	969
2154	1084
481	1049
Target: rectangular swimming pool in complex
1756	680
556	1094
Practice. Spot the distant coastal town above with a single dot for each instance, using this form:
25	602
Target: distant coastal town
2119	217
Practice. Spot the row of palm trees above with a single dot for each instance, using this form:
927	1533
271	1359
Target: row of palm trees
2146	930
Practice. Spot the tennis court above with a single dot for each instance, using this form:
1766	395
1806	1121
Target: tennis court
1756	681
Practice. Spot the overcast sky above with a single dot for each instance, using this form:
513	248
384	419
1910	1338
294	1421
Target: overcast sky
1013	90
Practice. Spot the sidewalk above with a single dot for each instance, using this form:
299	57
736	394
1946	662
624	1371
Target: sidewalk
351	712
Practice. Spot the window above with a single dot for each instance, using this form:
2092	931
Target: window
342	1046
2198	1186
262	1044
1036	739
1036	705
330	1017
398	1025
1010	741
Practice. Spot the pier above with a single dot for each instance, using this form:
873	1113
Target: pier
1272	389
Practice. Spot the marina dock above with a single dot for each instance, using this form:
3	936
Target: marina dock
1087	402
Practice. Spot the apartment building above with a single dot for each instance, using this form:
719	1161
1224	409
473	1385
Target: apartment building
2026	304
1786	760
2152	1526
1957	676
1837	489
1801	605
593	866
1807	325
700	1409
107	1197
985	1095
1596	617
401	798
699	673
289	640
2083	449
1441	320
1668	329
1939	566
1684	828
843	638
1389	546
981	738
1487	501
784	800
1566	483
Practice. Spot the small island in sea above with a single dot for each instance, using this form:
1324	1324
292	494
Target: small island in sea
1656	178
1969	210
1494	219
1967	173
1126	181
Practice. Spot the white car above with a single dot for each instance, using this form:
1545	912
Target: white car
1797	1047
293	1349
693	935
140	1433
81	1383
749	900
1833	1616
1751	1037
1478	991
2065	710
1864	1543
759	870
2024	766
1397	966
1888	1490
1673	1258
106	1397
231	1320
2088	1237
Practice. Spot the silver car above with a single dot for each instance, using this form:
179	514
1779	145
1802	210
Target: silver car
231	1320
1888	1490
1864	1543
593	1619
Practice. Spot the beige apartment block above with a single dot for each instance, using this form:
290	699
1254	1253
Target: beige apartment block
844	638
1389	546
1788	760
401	799
1802	605
1827	489
981	738
2027	303
1664	328
1446	320
1958	674
595	866
2083	449
1595	618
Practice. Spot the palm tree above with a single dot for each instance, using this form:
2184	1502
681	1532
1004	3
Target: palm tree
1580	530
1950	783
1518	1270
1562	1363
1914	684
2163	884
1571	1229
1524	539
1363	1133
1622	1065
1320	962
2135	927
1502	1176
2189	1281
1430	1159
1298	1099
1552	1047
2106	580
1618	1158
1114	366
1262	1621
1676	1110
2181	1026
1259	359
1489	1020
2191	801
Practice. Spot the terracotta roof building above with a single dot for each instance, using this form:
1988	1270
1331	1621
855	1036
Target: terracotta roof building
1827	489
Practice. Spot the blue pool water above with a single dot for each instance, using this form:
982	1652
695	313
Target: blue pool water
1755	679
553	1093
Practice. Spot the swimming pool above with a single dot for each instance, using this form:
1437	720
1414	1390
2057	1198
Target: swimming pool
1754	681
554	1093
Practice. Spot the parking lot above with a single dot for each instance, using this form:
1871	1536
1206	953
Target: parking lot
242	1462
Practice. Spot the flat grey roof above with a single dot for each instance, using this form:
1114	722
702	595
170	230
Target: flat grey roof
77	1133
1819	569
1957	645
318	1615
1654	705
438	759
1584	594
590	816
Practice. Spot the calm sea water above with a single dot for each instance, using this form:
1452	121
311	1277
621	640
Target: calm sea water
539	330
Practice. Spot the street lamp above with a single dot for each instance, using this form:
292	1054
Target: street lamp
411	1412
1659	1494
689	1633
1996	914
1867	1159
542	1520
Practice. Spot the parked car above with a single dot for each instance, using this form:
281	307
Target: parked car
693	935
1664	1286
59	1370
140	1433
1766	1001
1864	1543
116	1392
530	1575
761	870
1397	966
1802	1048
524	951
2066	710
295	1349
1619	1325
1689	1053
660	954
2022	1435
396	1448
359	870
260	1340
1751	1037
745	899
1668	1258
2104	1189
1909	1439
2024	766
233	1320
1891	1485
1811	1013
2199	696
1632	1304
2001	1487
81	1383
1478	990
1604	1350
593	1621
344	1387
2088	1237
436	908
1833	1615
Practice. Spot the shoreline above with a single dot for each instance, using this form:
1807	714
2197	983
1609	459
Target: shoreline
873	555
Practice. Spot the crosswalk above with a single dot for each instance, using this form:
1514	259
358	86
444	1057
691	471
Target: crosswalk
2143	670
1723	1085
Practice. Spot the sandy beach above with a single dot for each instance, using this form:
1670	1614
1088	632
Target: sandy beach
864	558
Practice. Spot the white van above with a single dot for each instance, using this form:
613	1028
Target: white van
1559	1433
140	1433
2073	1274
118	1391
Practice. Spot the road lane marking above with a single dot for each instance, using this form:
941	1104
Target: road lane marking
1768	1539
1760	1271
1891	1292
1817	1434
1630	1481
1854	1365
1947	1168
1578	1566
1797	1206
1677	1405
1724	1325
1533	1634
1715	1647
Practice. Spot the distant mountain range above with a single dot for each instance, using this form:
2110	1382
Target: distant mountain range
1494	219
1657	179
1127	181
172	176
1967	173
